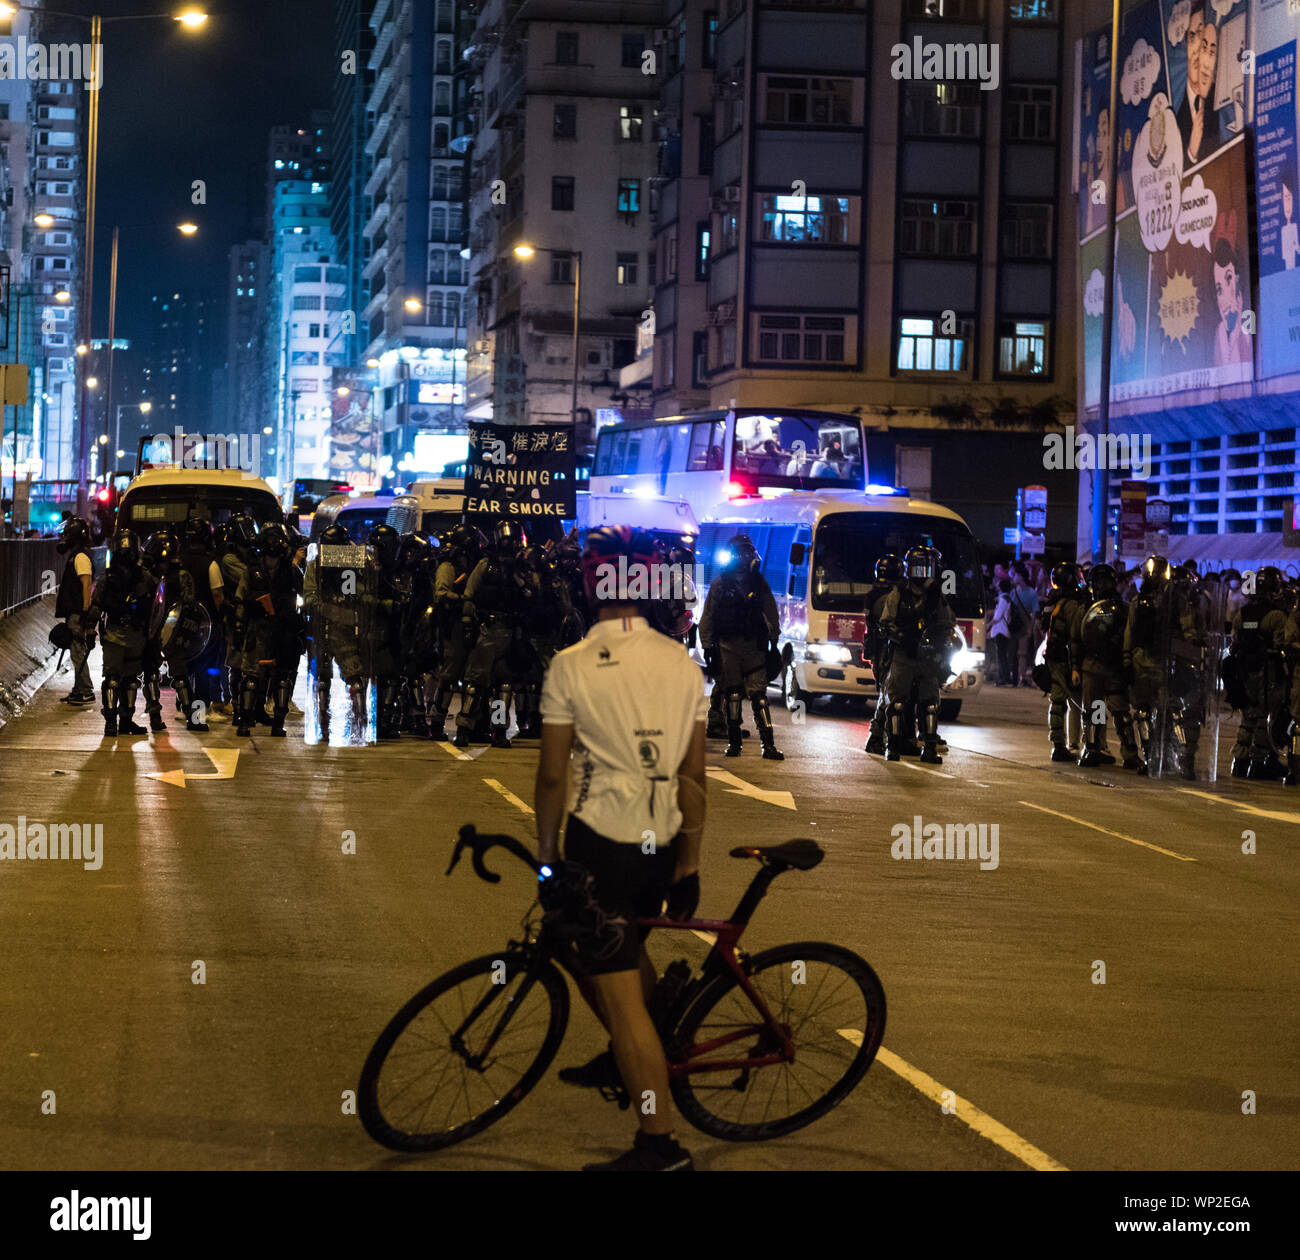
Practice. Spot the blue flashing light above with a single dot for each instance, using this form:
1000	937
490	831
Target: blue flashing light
722	555
877	489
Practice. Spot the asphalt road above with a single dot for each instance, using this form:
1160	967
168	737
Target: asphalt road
307	950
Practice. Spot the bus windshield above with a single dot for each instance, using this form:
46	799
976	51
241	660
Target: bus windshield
796	450
848	544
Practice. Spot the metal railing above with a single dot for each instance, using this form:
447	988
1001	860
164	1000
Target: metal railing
31	568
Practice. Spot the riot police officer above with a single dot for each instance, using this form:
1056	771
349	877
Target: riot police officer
273	638
1097	664
199	558
544	633
387	646
73	604
1291	664
493	606
877	648
417	628
739	632
338	604
916	616
1258	636
235	541
462	548
175	590
122	599
1062	616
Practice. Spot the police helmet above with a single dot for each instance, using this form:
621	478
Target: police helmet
1102	583
921	563
75	534
508	537
162	547
1156	572
1269	582
385	540
335	535
1065	577
744	555
242	531
600	557
125	548
889	568
198	532
414	553
274	541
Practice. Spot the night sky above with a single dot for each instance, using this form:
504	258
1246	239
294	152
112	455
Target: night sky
176	107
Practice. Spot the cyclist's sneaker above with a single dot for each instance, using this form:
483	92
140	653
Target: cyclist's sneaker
601	1071
649	1154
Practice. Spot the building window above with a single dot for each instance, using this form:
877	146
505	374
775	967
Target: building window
566	122
561	268
923	347
627	268
670	258
633	48
566	48
629	197
703	237
631	122
809	102
805	220
561	192
442	57
437	266
699	359
705	159
1033	10
1031	111
939	229
964	10
801	339
1026	230
709	50
941	109
1022	348
313	330
728	231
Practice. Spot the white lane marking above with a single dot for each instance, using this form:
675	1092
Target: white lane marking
501	789
1083	822
224	759
969	1114
907	765
451	748
738	787
1276	814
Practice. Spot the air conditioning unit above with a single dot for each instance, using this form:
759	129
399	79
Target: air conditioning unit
662	35
731	195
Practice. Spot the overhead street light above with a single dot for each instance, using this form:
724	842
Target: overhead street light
524	252
413	305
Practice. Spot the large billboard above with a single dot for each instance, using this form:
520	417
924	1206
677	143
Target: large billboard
1183	269
1277	163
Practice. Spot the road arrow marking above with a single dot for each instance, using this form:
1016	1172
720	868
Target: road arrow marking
448	747
738	787
1276	814
224	759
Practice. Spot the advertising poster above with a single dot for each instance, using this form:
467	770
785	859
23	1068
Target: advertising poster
1277	167
352	433
1183	268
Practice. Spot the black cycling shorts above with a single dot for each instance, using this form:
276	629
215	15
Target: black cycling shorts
628	884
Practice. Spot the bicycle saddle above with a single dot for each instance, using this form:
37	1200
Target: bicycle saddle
802	855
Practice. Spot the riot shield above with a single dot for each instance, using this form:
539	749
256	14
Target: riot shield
340	589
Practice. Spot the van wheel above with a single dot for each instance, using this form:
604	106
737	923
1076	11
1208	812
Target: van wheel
948	710
795	696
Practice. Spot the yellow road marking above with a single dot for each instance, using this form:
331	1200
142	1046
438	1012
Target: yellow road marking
969	1114
1083	822
502	790
451	748
1276	814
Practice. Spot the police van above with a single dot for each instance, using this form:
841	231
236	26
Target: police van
819	552
357	513
432	507
671	521
170	496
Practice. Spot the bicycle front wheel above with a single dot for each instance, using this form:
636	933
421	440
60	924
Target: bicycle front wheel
832	1006
462	1052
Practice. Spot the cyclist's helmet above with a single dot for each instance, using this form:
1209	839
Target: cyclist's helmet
1269	582
198	532
600	558
508	538
335	535
1065	578
274	541
1102	583
75	534
1156	571
124	550
922	563
385	540
889	568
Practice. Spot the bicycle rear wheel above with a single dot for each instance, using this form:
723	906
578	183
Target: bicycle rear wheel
462	1052
832	1005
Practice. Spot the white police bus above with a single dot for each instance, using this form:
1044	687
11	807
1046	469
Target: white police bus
819	552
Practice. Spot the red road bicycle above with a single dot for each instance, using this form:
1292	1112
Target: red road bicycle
758	1045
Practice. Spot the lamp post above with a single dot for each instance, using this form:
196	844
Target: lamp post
525	252
191	19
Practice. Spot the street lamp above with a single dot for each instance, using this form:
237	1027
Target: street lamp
413	305
63	296
523	251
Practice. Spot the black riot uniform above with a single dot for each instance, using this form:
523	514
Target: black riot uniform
877	648
234	542
1065	609
417	628
545	631
70	605
1291	665
920	625
669	609
120	607
339	615
494	604
1259	631
272	636
198	554
1097	657
387	627
462	548
174	586
738	633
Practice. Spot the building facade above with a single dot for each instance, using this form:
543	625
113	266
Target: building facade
247	406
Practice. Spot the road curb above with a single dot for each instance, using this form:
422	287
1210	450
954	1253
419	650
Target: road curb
27	658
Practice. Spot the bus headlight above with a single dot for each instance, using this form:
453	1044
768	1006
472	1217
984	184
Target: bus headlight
828	653
964	660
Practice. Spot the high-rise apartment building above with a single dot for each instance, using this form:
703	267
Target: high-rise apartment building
247	404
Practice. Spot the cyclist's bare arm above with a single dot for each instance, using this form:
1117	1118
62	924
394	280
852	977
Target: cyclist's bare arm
690	800
550	789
